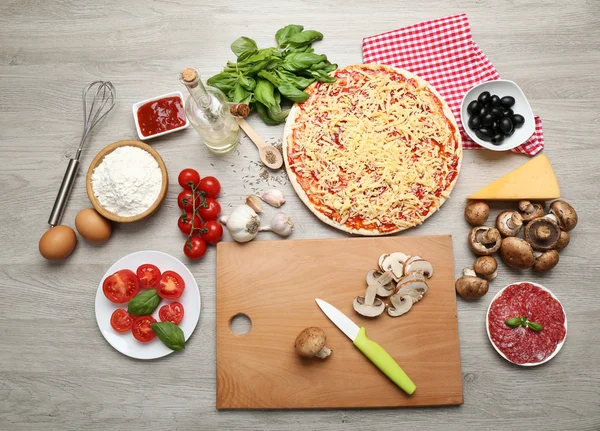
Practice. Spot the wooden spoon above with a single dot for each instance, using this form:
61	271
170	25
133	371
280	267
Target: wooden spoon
269	155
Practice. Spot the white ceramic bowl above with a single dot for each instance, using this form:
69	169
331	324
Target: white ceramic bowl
528	364
502	88
137	106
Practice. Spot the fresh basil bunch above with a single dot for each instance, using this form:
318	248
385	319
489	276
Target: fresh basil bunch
260	77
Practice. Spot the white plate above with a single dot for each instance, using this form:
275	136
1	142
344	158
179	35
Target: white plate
137	106
527	364
502	88
190	299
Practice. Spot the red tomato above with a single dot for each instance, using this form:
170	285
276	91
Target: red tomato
194	247
211	231
172	312
189	179
186	198
210	187
142	331
171	285
121	287
185	222
149	275
121	320
211	211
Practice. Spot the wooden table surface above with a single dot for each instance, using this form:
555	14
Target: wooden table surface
57	371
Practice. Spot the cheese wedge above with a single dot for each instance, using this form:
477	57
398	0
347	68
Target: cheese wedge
535	180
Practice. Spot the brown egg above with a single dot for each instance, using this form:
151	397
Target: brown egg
58	243
92	226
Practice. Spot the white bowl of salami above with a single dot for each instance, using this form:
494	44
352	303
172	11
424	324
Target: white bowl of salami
526	324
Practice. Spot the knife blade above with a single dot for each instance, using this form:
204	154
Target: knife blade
373	351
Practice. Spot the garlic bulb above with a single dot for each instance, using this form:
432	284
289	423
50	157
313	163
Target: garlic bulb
243	223
254	203
273	197
281	224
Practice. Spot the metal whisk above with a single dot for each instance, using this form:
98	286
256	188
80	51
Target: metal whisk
102	95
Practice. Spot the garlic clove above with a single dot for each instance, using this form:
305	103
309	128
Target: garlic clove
254	203
281	224
273	197
243	224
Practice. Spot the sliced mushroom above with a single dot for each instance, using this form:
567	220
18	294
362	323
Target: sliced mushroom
563	240
477	213
384	282
416	290
530	210
415	276
486	267
565	215
419	265
517	253
401	304
470	286
542	233
368	310
545	261
410	260
484	240
310	343
394	262
509	223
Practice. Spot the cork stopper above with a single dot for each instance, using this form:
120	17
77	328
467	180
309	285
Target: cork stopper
189	74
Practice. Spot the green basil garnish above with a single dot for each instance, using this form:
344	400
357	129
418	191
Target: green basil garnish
514	322
144	303
171	335
536	327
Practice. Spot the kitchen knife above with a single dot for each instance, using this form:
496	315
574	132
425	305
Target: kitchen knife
370	349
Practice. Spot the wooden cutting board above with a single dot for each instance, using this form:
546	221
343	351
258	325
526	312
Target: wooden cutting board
275	283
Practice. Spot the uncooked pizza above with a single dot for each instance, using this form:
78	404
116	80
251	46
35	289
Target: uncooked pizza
376	152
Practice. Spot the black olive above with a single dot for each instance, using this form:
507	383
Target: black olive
507	101
496	125
497	139
508	112
483	111
495	100
474	122
474	106
496	112
487	120
484	97
506	125
484	134
518	120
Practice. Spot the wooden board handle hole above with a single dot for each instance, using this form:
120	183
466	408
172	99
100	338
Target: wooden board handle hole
240	324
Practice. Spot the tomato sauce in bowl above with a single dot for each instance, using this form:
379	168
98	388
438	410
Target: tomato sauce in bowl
161	115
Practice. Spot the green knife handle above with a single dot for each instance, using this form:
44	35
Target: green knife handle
384	362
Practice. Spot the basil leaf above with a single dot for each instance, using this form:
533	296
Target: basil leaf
224	81
240	94
277	114
171	335
299	82
264	92
259	56
291	92
247	82
273	63
513	322
301	49
144	303
271	77
301	60
263	112
304	38
324	66
534	326
284	34
243	45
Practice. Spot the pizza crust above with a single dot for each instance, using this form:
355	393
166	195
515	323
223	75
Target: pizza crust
287	140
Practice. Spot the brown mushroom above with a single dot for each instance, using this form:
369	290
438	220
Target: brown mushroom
545	261
486	267
476	213
565	215
484	240
542	233
509	223
310	343
517	253
563	240
530	210
470	286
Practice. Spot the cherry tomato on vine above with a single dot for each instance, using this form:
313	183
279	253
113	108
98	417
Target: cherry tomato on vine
210	209
189	178
210	186
211	231
194	247
186	221
186	198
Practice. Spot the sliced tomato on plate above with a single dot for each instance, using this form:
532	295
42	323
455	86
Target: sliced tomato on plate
149	275
121	286
171	285
121	320
141	329
172	312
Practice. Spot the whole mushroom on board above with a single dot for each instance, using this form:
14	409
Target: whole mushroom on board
486	267
542	233
545	261
476	213
310	343
484	240
564	214
470	286
517	253
530	210
509	223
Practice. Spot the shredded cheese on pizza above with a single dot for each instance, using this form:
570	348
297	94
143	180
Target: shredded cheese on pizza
374	150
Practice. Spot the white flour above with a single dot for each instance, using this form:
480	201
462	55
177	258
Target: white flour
127	181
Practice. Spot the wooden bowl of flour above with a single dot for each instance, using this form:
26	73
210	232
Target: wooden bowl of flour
100	158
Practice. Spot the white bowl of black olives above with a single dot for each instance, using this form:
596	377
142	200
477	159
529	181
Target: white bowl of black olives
497	115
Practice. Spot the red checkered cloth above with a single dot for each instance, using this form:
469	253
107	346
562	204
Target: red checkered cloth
442	52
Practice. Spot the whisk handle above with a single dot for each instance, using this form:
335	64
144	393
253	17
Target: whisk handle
63	193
